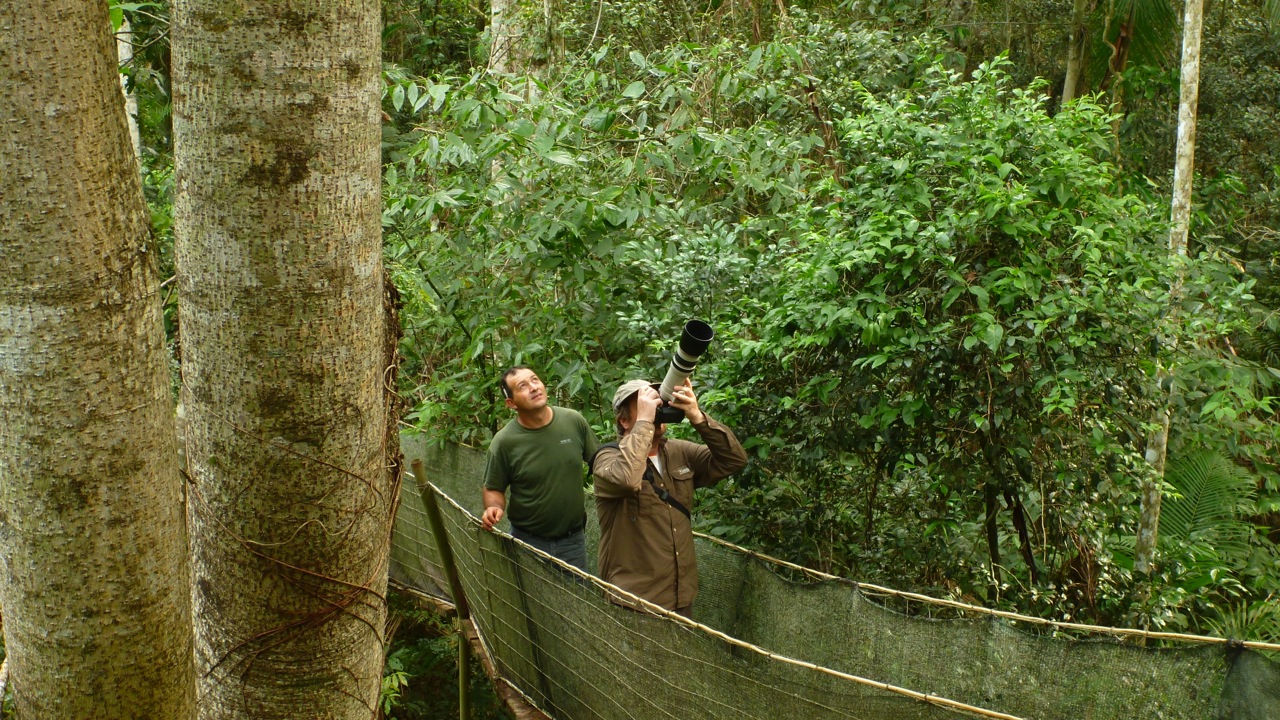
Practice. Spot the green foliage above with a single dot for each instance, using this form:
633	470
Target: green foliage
420	678
428	38
1210	552
970	311
118	10
1258	620
394	680
1210	493
938	310
525	214
147	72
1151	29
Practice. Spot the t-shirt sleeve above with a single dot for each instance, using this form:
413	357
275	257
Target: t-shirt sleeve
496	476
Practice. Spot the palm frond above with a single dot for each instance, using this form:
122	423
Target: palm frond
1154	36
1258	621
1264	344
1157	31
1212	493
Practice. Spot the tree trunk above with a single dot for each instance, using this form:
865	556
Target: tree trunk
511	35
1184	170
279	253
503	35
1075	52
991	529
96	611
1189	98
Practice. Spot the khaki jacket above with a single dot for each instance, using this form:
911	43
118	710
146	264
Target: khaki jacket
646	545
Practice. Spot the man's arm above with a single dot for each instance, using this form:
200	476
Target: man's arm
721	456
619	472
495	506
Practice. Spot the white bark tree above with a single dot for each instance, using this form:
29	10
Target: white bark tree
514	26
279	253
92	538
1184	170
1075	51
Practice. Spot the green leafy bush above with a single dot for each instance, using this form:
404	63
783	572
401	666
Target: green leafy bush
938	310
542	221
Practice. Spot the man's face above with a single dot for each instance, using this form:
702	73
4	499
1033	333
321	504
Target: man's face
527	391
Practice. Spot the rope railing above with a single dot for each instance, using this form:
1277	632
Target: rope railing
563	620
764	646
868	588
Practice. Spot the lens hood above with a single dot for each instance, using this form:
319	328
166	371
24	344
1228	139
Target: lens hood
696	338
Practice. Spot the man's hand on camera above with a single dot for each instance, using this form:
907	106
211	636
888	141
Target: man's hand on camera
647	402
684	399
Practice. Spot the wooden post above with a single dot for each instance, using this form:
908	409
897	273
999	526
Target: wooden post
455	587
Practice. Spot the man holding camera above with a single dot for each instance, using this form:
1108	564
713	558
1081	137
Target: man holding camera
538	457
644	487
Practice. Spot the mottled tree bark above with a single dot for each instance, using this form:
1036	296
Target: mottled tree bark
1188	101
1075	51
1184	171
94	583
511	31
279	252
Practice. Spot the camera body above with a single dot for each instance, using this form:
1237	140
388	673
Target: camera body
694	340
666	413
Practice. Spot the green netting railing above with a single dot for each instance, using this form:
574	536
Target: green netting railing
772	641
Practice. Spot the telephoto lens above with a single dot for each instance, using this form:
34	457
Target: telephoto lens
694	341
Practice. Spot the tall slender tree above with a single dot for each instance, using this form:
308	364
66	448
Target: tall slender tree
1075	50
92	539
1184	170
512	32
279	254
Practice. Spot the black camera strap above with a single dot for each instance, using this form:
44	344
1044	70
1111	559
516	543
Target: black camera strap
662	493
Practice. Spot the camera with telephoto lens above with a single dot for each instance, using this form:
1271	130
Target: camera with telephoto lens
694	341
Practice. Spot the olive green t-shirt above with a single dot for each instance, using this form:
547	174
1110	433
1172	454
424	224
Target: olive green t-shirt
543	469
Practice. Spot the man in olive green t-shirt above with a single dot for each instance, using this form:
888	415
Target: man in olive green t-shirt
538	457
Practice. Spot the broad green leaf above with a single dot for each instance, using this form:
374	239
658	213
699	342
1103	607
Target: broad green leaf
560	157
993	335
984	300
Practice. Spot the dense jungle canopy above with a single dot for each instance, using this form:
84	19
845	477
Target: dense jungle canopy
942	298
947	316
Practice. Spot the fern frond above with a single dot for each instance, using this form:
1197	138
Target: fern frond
1202	517
1258	621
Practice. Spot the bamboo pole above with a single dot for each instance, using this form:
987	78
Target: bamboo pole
520	707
